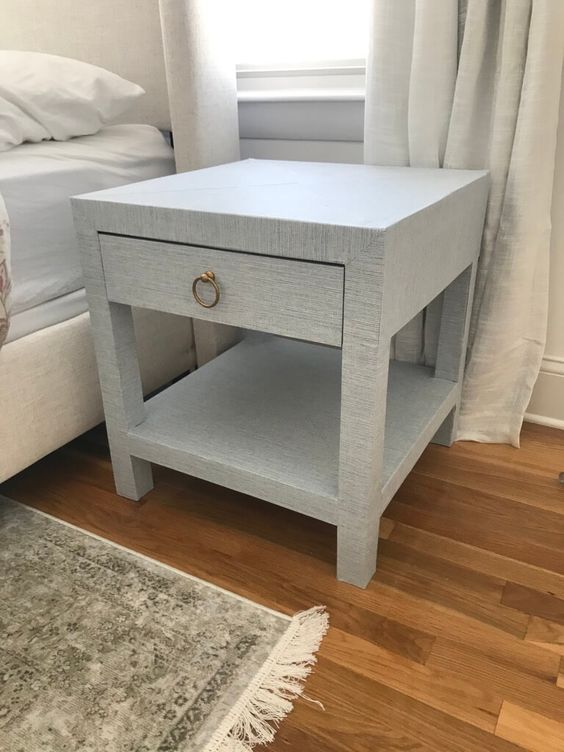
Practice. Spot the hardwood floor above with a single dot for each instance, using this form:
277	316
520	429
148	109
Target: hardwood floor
457	645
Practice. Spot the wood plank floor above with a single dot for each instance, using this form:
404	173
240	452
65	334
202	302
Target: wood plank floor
457	645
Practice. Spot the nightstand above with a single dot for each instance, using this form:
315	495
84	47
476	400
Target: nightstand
326	263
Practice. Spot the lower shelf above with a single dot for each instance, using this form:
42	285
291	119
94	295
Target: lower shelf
263	418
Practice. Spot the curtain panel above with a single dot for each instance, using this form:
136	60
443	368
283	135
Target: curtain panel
476	84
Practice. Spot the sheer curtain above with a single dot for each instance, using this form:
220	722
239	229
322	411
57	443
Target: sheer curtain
476	84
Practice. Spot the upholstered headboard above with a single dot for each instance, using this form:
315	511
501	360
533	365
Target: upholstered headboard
177	50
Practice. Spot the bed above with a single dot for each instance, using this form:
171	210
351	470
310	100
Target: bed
36	181
48	382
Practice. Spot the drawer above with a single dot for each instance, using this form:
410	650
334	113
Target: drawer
281	296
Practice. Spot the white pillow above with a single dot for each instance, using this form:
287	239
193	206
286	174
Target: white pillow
50	97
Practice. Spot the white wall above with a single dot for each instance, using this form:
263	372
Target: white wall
309	151
547	403
284	130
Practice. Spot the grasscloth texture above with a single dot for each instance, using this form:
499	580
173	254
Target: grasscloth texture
202	88
255	292
467	84
101	650
402	235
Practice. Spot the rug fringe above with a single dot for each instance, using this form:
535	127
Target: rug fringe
269	698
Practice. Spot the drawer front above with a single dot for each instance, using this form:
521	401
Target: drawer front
280	296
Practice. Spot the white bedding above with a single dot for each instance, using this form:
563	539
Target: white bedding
36	181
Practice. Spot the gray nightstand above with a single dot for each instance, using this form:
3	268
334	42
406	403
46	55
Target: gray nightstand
336	259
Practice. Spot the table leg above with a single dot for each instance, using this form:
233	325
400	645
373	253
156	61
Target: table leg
118	368
212	339
364	380
122	393
453	338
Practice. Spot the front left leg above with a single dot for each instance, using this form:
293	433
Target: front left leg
364	382
363	415
357	547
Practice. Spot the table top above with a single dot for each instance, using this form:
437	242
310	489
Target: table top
342	195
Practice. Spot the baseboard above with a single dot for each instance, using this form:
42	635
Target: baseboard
553	364
547	402
544	420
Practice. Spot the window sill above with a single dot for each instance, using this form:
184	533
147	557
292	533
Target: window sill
344	67
345	83
302	104
301	95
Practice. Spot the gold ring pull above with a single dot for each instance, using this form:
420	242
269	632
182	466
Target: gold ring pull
208	278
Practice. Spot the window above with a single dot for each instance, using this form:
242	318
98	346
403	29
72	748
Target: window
300	34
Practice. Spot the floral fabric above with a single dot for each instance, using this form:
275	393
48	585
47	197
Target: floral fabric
5	283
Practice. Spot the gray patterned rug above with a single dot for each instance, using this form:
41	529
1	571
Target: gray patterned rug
102	650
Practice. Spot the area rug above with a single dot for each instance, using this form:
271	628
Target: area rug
103	650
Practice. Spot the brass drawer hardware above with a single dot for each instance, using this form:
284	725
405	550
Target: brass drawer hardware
208	278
